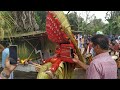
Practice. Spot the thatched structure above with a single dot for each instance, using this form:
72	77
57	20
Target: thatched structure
27	42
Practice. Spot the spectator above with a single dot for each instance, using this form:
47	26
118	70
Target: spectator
5	53
102	66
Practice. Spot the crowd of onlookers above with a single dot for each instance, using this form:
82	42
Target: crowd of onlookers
84	43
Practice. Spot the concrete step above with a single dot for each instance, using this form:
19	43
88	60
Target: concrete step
26	68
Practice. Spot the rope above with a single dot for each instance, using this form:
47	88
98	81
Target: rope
29	43
33	50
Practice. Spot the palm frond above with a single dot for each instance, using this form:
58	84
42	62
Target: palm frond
6	24
67	29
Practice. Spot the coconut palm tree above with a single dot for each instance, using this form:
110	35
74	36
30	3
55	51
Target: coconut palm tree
6	24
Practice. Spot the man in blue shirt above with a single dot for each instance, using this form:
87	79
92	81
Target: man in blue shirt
5	54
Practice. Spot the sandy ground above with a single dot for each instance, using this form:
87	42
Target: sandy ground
78	74
23	75
28	72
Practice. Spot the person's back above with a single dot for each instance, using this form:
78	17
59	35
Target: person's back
104	66
5	53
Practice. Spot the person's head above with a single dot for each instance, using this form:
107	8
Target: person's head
7	44
100	43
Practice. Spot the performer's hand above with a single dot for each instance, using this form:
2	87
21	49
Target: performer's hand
37	67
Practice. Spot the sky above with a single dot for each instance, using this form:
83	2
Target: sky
98	14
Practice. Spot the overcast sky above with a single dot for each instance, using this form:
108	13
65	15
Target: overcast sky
98	14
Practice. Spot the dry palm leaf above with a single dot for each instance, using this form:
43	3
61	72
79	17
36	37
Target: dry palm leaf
67	29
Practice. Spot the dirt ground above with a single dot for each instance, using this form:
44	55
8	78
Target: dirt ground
23	75
78	74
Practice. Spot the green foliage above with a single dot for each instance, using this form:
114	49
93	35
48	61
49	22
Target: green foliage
112	27
97	25
6	23
78	23
40	17
114	22
75	21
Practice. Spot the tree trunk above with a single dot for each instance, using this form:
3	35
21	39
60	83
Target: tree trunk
25	21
